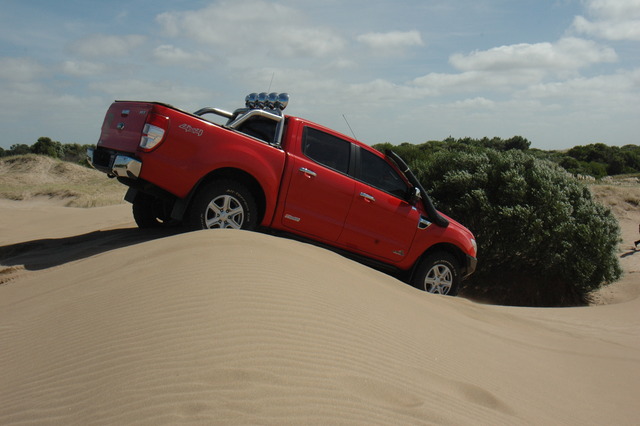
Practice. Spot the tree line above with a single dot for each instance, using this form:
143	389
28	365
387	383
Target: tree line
597	159
71	152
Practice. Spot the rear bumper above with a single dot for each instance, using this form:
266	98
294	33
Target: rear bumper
114	164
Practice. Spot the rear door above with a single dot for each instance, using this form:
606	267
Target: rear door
380	223
320	191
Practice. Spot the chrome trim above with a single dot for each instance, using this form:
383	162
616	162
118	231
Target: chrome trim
217	111
423	223
267	105
122	165
255	112
367	196
291	217
128	167
275	115
307	171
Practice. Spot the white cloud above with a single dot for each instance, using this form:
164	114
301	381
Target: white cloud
391	40
478	103
21	102
612	20
614	9
172	55
566	54
316	86
252	26
608	29
620	89
378	92
82	68
186	97
20	69
102	45
436	84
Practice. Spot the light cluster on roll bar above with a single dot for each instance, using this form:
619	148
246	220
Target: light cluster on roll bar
266	105
273	100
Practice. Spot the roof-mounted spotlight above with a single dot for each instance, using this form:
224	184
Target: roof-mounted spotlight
251	100
282	101
262	99
272	98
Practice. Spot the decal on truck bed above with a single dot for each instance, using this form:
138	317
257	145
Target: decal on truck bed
187	128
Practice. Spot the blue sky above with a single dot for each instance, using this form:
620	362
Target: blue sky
559	72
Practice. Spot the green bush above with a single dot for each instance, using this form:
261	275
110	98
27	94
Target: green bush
543	240
48	147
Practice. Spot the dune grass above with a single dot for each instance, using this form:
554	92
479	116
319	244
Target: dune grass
28	177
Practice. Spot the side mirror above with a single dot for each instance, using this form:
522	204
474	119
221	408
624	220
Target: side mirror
414	195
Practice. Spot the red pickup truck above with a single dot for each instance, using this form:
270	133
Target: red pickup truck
257	168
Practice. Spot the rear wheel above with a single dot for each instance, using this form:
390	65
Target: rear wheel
438	273
224	204
150	212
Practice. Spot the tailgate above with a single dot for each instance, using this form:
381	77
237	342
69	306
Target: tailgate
123	125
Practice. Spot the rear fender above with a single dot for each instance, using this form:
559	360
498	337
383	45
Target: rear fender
182	204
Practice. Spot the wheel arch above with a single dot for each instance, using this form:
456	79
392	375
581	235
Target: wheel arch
452	249
230	173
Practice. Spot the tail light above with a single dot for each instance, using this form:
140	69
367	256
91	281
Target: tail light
153	131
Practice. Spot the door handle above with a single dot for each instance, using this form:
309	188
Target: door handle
368	198
309	173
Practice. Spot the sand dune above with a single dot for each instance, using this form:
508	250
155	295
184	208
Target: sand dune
101	323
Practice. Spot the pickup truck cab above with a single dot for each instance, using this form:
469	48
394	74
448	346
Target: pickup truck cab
262	169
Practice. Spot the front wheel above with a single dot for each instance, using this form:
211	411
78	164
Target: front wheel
224	204
438	273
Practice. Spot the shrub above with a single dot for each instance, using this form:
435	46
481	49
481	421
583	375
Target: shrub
48	147
543	240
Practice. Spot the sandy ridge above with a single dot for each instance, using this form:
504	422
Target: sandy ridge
101	323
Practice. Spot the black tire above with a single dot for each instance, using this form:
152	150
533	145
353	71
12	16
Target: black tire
438	273
224	204
149	212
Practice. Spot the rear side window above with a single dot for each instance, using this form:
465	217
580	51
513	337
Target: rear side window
326	149
261	128
379	174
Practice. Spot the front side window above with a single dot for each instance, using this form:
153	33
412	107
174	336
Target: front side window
326	149
379	174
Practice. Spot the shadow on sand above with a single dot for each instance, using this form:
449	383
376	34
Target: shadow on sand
47	253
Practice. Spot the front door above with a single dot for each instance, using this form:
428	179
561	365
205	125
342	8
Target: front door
380	223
